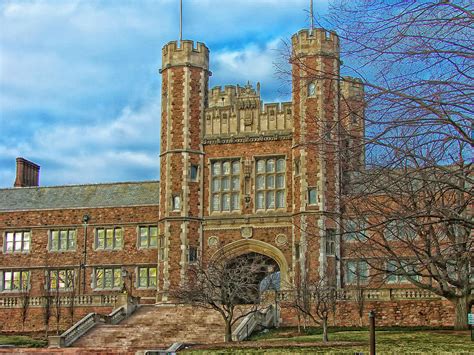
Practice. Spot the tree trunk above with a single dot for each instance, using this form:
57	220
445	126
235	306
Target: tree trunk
228	332
461	308
325	330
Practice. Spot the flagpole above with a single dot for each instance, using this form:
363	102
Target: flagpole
311	18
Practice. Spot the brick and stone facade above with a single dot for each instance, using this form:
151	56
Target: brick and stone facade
236	176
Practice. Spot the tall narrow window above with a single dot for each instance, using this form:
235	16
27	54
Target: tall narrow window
192	254
176	203
330	241
225	185
311	89
270	183
193	172
312	196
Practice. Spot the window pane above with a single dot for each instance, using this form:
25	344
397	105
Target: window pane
226	184
270	199
280	165
236	167
153	240
216	185
109	238
270	182
26	246
9	237
215	202
154	231
312	196
261	166
17	245
235	202
118	238
280	199
72	240
235	183
260	182
63	240
26	236
270	165
260	200
226	202
117	277
100	238
108	276
226	168
152	277
280	181
216	168
99	277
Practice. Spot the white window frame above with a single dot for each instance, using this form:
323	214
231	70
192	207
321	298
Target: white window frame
69	232
268	191
148	237
114	245
23	241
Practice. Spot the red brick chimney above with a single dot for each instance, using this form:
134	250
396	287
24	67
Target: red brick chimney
27	173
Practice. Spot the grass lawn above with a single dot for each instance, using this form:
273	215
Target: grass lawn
22	341
399	341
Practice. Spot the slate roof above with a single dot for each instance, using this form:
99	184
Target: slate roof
77	196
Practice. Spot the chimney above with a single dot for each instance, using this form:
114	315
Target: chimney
27	173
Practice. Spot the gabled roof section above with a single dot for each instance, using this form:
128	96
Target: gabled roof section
120	194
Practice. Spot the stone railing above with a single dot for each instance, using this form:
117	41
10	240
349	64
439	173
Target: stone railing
264	318
127	306
78	301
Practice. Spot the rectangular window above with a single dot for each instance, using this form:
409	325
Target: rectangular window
355	229
176	203
398	230
192	256
193	172
399	272
147	237
14	280
62	240
108	238
270	183
297	251
147	277
61	280
330	241
312	196
161	255
107	278
225	185
356	272
17	241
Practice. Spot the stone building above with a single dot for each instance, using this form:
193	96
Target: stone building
237	176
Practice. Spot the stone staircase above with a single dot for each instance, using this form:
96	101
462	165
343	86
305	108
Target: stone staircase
157	327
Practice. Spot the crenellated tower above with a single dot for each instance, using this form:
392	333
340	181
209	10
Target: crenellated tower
315	99
185	75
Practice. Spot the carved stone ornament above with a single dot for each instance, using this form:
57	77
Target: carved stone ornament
248	120
212	241
281	239
246	232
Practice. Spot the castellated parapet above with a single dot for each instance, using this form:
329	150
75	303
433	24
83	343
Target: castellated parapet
185	53
315	42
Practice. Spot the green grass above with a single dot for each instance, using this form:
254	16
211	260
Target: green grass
22	341
393	341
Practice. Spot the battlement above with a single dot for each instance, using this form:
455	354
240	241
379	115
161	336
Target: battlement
315	42
352	87
185	52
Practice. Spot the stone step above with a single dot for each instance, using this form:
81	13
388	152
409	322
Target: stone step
157	326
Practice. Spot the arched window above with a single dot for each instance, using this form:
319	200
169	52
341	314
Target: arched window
311	89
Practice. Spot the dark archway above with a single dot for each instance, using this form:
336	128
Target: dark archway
262	273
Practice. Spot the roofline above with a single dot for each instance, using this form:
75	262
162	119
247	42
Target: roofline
78	185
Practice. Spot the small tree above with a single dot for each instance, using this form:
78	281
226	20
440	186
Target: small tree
25	305
314	299
47	303
224	285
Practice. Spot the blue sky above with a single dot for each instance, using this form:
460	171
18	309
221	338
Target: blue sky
79	82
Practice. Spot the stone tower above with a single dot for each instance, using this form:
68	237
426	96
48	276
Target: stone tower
185	74
315	74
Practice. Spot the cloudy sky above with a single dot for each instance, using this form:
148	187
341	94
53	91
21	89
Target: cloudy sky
79	82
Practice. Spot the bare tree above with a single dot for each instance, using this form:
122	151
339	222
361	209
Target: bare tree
314	299
230	287
25	304
47	303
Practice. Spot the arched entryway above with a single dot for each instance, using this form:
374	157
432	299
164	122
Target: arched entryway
255	247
